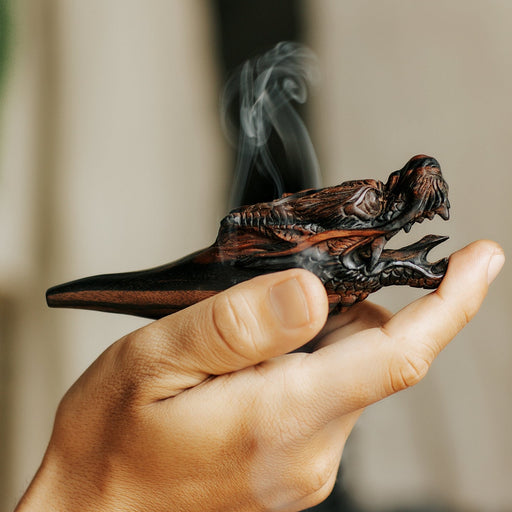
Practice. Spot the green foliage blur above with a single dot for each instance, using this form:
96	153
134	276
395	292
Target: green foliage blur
4	36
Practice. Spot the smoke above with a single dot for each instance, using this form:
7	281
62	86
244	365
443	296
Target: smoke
265	88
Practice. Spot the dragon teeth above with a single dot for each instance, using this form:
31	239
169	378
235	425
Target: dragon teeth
443	211
377	247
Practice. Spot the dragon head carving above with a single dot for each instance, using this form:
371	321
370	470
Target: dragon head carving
340	232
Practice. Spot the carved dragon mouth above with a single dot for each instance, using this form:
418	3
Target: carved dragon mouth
417	192
394	266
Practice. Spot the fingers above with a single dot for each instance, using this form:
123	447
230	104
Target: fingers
364	315
375	363
243	326
443	313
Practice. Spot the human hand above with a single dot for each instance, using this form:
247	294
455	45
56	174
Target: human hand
207	410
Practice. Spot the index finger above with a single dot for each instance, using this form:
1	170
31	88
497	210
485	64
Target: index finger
375	363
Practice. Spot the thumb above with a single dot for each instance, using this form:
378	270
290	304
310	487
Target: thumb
249	323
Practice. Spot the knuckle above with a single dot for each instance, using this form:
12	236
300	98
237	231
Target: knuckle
459	314
233	326
406	370
317	477
466	314
133	349
135	354
322	493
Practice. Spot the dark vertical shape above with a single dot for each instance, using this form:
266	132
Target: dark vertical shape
4	40
246	28
259	101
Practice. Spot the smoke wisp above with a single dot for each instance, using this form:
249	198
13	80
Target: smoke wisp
264	89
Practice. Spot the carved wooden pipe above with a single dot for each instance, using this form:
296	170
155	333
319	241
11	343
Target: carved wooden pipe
338	233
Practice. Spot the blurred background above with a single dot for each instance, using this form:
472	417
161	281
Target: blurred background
112	158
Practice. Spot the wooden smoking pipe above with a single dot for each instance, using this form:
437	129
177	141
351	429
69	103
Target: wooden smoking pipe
338	233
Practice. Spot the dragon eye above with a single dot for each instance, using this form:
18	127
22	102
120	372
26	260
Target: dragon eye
371	202
367	204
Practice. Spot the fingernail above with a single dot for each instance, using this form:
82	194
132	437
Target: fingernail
289	303
495	265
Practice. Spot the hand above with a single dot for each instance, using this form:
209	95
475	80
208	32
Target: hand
207	410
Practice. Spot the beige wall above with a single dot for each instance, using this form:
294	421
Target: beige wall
109	124
401	78
111	158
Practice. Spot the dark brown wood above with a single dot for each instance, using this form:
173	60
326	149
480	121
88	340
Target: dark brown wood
338	233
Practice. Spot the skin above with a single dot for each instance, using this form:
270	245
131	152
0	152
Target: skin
207	410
